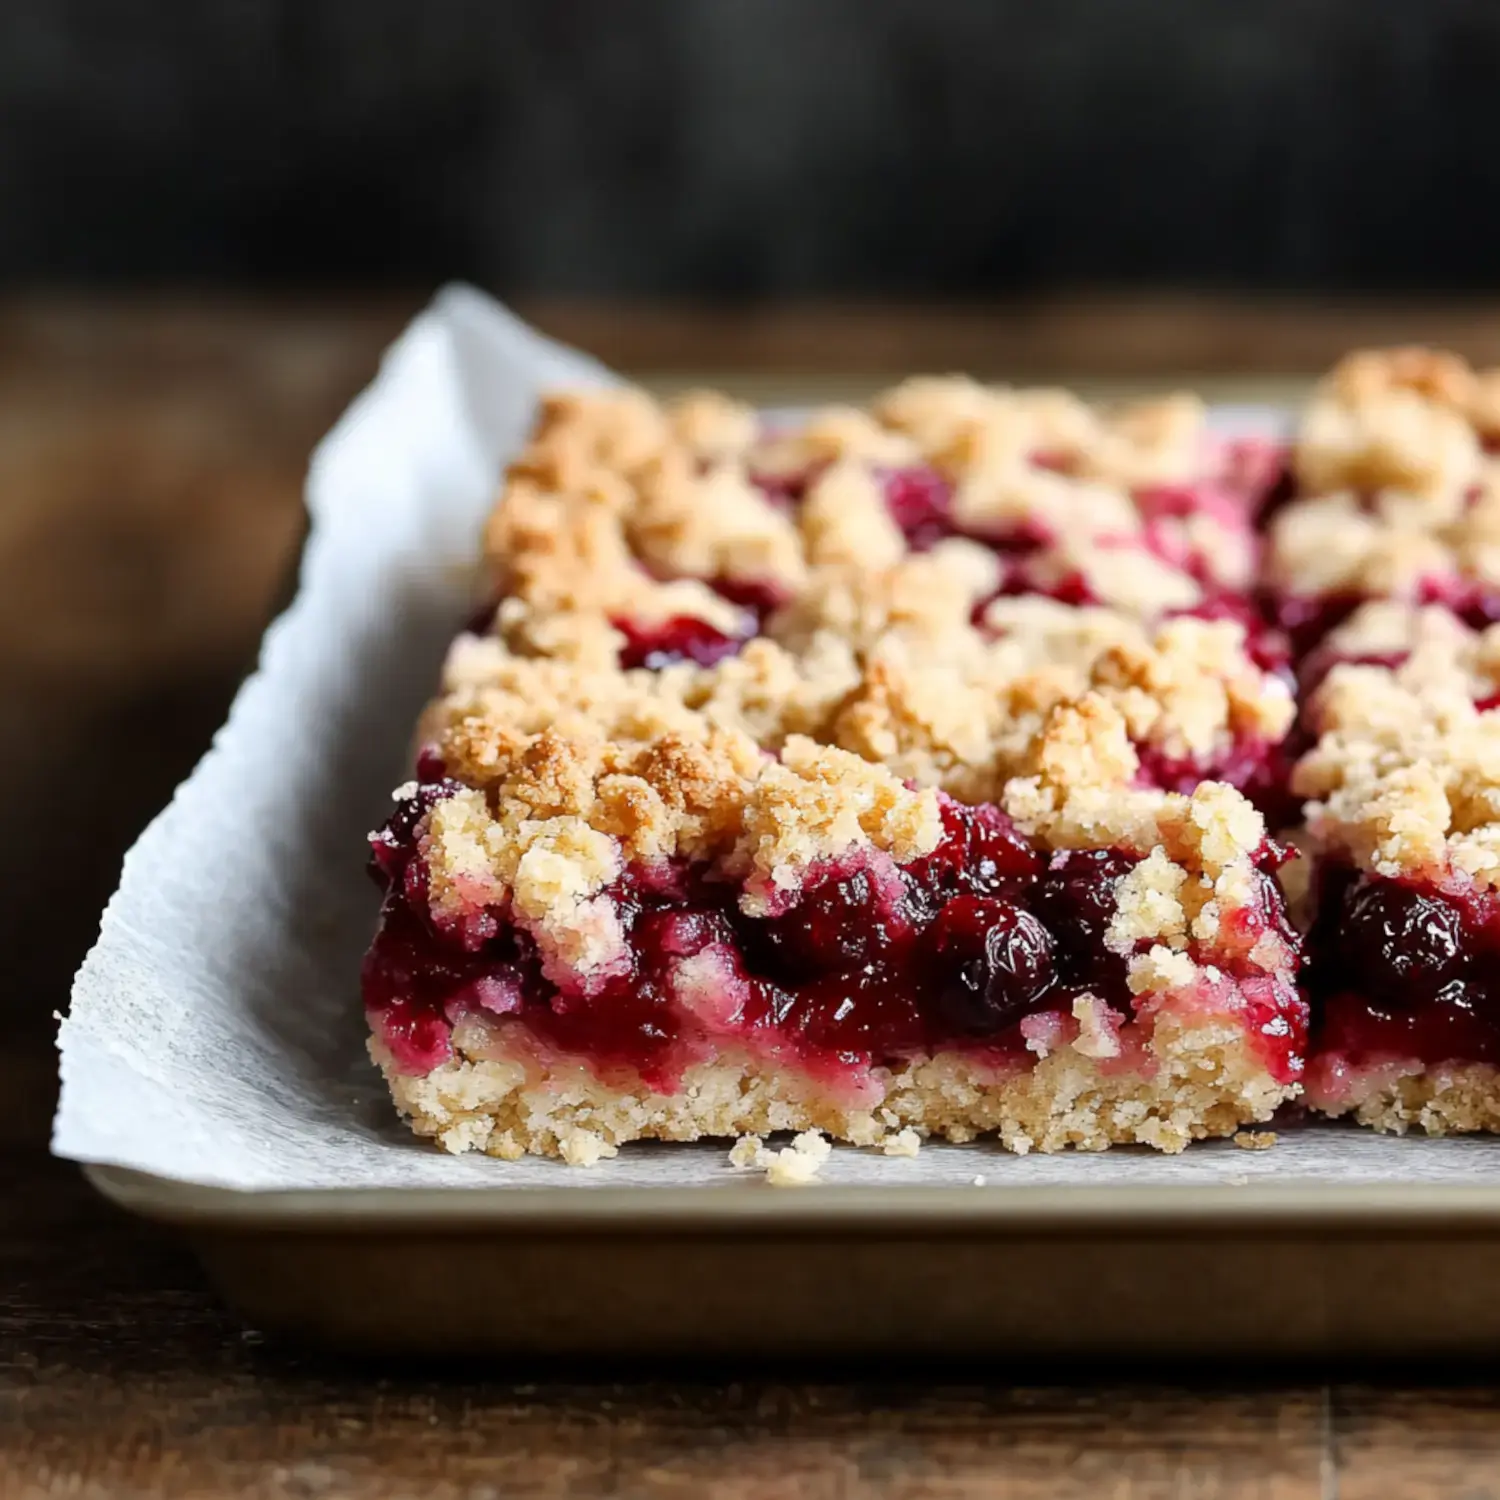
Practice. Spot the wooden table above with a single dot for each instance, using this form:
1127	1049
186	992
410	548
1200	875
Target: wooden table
150	466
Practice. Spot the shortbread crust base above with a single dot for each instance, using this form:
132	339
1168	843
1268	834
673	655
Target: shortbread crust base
1452	1099
1206	1082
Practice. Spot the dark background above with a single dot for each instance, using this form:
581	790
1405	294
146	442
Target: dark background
749	148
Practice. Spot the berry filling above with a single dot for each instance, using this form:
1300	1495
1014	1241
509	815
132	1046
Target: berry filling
920	501
1402	970
1258	473
668	642
1261	769
868	963
1308	619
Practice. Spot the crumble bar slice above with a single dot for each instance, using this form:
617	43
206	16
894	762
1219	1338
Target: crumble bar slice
1396	493
1404	826
588	940
793	783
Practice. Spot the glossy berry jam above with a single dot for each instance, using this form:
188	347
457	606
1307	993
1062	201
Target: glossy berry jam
1076	900
1259	768
680	639
1404	969
997	960
842	923
920	501
1402	940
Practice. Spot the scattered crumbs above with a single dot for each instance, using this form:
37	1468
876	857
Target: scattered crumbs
405	790
746	1151
580	1149
798	1163
904	1143
790	1167
1255	1140
979	1181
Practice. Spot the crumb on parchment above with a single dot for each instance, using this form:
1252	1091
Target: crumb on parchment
1255	1140
903	1143
792	1166
746	1151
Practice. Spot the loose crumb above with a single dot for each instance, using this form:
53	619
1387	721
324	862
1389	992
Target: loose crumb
798	1163
980	1180
746	1151
1255	1140
903	1143
793	1165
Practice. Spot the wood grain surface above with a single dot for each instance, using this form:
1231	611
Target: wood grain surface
150	467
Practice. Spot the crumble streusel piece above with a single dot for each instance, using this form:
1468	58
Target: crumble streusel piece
1327	554
888	664
1136	509
1389	655
1411	420
1398	494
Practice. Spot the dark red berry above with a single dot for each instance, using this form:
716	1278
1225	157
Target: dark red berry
682	638
392	846
1405	945
430	765
997	856
920	501
838	924
997	961
662	935
1075	900
980	852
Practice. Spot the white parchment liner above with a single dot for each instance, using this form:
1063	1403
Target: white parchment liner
215	1034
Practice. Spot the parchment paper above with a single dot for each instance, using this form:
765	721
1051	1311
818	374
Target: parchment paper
215	1033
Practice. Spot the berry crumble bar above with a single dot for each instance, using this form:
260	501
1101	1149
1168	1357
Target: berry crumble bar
929	769
899	772
1382	560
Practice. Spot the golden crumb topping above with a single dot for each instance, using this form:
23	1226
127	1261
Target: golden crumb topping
1337	544
1388	544
963	428
1394	419
550	816
1407	785
1394	659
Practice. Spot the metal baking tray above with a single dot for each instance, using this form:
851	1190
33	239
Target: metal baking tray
1267	1270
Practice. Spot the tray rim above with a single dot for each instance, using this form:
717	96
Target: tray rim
750	1206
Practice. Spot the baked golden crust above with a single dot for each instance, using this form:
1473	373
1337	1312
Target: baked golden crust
1401	1095
503	1098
